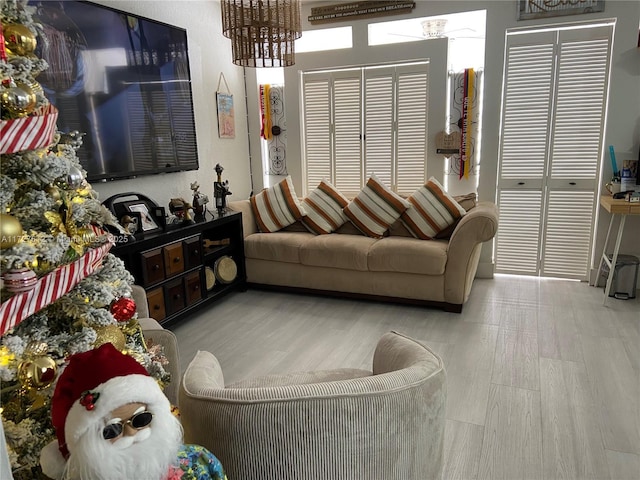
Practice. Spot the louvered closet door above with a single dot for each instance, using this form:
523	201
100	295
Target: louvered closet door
395	119
551	143
317	129
347	128
379	123
411	127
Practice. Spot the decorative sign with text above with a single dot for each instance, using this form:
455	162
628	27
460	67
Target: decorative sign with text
347	11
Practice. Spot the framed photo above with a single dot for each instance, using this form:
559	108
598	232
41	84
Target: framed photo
529	9
147	223
226	116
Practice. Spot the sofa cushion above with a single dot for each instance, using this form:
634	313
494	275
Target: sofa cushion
408	255
324	209
375	208
337	251
432	211
279	246
277	207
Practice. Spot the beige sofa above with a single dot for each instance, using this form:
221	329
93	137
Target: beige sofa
345	424
398	267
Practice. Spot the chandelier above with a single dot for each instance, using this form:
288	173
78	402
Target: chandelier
262	32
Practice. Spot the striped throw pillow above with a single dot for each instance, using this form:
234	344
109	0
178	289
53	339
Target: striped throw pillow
324	209
432	211
375	208
277	207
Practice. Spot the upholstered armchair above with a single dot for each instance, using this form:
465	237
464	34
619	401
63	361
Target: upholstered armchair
343	424
152	330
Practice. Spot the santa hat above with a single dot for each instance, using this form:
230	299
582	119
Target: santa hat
92	385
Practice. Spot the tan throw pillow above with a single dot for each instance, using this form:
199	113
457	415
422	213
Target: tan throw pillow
324	209
277	207
432	211
375	208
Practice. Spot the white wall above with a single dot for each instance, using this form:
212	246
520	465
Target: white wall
209	55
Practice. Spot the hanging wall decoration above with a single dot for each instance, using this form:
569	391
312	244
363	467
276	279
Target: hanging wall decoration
532	9
464	119
274	127
365	9
226	116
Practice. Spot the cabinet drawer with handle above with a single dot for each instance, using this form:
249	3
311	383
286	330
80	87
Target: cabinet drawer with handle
152	266
155	299
173	259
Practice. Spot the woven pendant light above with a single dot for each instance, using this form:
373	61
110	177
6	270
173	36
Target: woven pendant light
262	32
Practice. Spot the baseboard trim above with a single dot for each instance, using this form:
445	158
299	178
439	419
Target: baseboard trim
447	307
485	270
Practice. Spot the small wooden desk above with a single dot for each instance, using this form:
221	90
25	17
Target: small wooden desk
614	207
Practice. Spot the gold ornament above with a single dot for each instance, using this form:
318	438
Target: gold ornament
53	192
110	334
85	237
18	39
37	372
36	88
18	99
10	230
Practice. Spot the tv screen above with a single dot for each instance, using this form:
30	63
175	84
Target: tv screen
124	82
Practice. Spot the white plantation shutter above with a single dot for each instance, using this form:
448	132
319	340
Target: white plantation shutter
317	130
411	150
527	109
363	121
347	105
568	234
519	231
554	101
379	123
577	134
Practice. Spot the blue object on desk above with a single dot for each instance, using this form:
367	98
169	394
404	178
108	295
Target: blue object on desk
614	165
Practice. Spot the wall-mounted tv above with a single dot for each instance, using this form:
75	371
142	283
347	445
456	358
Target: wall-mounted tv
123	81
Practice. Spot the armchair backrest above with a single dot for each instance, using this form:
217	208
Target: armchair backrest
387	425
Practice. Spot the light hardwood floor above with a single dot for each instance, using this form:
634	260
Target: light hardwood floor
543	380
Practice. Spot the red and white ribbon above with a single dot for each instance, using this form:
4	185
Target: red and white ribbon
51	287
28	133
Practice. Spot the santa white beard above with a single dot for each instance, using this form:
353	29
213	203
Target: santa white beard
146	455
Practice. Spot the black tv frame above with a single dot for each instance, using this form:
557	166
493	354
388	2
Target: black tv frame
128	91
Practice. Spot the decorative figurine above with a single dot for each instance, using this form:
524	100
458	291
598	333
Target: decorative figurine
220	191
199	199
112	420
180	208
130	224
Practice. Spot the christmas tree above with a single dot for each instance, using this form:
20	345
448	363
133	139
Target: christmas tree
62	292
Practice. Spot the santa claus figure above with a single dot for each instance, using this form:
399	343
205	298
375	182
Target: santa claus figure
113	422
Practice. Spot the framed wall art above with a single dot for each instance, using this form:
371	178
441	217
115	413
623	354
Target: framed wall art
226	115
532	9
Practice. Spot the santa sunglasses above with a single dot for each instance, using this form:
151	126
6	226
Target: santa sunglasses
137	421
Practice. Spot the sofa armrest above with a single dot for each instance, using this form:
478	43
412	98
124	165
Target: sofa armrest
140	297
479	225
248	221
153	332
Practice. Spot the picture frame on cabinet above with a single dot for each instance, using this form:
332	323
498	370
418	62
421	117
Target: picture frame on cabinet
147	222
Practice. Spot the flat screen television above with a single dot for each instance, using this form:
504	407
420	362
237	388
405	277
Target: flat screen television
124	82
